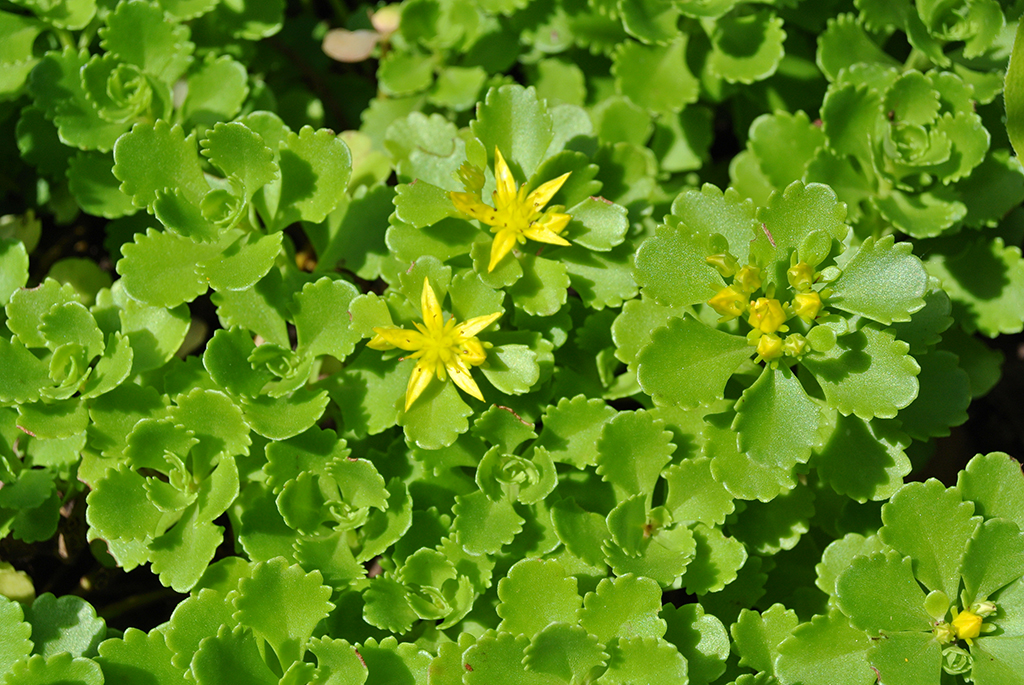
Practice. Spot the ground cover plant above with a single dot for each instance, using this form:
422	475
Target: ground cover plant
511	341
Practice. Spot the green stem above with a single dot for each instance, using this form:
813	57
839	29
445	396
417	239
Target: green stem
917	60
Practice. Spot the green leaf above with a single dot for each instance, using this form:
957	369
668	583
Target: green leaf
688	363
246	19
483	526
784	145
582	532
94	186
437	417
844	43
181	555
346	244
790	217
867	373
534	594
601	279
624	607
498	657
694	494
72	323
776	422
119	506
651	21
881	269
68	624
59	668
743	477
262	308
404	73
985	283
1013	93
943	399
514	120
368	392
994	559
512	369
138	33
315	168
643	660
746	48
56	84
319	327
216	93
879	593
300	601
338	661
60	419
671	266
627	523
632	450
768	527
542	289
995	484
153	157
597	225
998	659
909	528
758	636
244	262
863	459
717	560
387	606
655	77
632	328
564	651
123	658
231	655
502	427
823	647
241	153
282	417
838	556
700	638
22	376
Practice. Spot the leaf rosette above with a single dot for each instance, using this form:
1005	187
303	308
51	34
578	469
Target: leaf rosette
777	286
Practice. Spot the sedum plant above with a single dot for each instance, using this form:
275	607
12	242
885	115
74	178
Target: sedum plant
585	342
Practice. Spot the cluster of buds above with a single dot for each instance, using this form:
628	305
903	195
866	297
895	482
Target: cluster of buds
767	315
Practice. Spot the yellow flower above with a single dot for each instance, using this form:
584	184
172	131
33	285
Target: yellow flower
966	625
439	346
769	347
516	216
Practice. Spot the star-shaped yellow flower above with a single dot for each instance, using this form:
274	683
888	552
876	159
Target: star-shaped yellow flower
439	346
516	216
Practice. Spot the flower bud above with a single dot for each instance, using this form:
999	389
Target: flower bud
729	302
967	625
472	178
725	263
807	305
795	345
801	276
748	278
767	315
769	347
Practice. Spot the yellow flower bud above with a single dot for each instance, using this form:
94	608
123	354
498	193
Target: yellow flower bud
967	625
769	347
767	315
748	279
725	263
801	276
729	302
807	305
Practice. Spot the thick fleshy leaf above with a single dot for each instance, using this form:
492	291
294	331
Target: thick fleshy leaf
632	450
688	363
643	660
230	655
868	373
863	459
937	552
823	647
178	166
623	607
300	601
216	92
655	77
123	658
700	638
139	34
514	120
717	560
534	594
746	48
994	558
65	624
776	422
758	636
768	527
671	266
879	593
883	281
995	484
